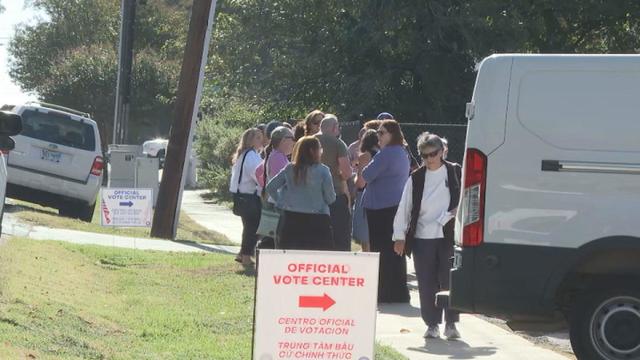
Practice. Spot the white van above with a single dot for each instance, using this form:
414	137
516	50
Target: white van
57	160
549	226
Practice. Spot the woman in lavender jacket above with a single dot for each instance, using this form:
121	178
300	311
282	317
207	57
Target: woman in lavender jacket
386	175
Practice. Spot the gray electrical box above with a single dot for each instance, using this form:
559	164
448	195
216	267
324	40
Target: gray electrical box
122	165
146	175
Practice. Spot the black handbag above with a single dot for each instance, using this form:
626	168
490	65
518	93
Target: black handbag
243	203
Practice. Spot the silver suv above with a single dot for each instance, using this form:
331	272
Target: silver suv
57	160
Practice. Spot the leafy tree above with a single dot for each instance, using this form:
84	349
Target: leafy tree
414	58
71	59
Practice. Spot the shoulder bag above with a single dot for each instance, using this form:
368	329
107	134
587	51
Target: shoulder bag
270	216
243	203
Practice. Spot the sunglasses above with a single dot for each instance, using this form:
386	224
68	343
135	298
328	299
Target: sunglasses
430	155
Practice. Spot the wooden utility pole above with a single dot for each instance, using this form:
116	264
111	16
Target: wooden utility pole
165	218
125	65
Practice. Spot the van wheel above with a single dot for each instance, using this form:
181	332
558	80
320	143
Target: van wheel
85	212
606	326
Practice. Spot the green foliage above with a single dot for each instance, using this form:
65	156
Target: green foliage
218	138
71	59
360	57
415	59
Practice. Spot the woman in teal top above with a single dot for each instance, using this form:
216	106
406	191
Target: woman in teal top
304	190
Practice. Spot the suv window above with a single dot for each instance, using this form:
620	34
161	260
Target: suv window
59	129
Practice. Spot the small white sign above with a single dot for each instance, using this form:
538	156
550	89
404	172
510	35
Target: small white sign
126	207
315	305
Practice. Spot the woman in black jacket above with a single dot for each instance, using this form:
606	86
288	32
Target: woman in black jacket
428	206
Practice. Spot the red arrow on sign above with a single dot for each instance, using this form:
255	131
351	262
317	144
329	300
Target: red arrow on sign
324	302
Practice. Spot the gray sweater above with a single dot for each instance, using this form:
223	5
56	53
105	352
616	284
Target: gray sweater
310	197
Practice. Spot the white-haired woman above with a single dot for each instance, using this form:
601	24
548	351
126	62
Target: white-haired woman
244	187
428	205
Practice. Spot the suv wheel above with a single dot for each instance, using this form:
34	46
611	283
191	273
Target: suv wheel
67	210
77	210
606	326
85	212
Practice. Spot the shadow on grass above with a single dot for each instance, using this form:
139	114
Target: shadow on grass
247	270
13	209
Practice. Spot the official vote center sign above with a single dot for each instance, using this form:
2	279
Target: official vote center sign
126	207
315	305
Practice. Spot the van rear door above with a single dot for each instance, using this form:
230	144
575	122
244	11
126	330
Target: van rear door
55	144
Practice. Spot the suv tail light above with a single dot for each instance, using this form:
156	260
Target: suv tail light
98	165
475	181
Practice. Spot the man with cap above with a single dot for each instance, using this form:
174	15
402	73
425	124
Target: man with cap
335	156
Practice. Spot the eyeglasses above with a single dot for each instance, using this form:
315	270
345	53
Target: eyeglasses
430	155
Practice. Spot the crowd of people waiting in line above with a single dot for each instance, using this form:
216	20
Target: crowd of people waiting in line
326	193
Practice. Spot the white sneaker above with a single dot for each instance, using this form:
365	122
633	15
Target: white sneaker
433	332
450	332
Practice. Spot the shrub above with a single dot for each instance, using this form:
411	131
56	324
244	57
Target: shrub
218	137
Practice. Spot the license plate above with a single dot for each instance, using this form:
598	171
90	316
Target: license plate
457	260
52	156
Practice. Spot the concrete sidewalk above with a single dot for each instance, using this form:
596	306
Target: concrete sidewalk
401	327
11	226
212	216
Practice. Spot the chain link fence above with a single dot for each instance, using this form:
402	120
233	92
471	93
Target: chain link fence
454	133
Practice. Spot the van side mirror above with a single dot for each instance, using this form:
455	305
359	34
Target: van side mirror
10	124
7	143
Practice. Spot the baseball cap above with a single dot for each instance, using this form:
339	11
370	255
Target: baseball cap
384	116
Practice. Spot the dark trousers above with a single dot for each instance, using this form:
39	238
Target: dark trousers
250	223
392	279
300	231
432	259
341	223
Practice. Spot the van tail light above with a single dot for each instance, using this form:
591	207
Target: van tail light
98	165
473	198
5	152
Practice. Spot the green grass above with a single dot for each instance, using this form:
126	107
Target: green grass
66	301
188	230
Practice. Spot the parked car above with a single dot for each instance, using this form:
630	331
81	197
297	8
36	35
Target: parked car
57	160
156	148
548	233
10	125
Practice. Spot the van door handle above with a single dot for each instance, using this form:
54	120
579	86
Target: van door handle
551	165
590	167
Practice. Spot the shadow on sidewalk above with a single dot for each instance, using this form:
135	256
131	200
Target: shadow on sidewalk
405	310
208	248
454	349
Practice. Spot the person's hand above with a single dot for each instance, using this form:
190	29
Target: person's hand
398	247
454	212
